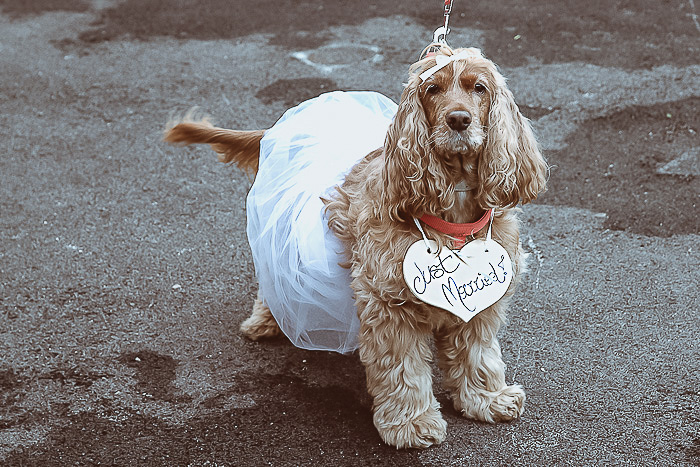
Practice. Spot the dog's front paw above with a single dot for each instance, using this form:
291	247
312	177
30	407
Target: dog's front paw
509	404
423	431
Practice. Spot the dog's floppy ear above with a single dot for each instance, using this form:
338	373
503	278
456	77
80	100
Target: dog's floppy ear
511	169
412	178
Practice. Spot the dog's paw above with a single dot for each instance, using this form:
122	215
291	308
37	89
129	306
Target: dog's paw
260	324
509	404
421	432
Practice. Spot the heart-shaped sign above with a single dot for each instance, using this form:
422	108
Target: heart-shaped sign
463	282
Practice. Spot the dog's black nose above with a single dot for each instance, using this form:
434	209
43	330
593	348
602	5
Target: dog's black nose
458	120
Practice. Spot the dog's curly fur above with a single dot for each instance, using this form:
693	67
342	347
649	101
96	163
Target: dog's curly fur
426	155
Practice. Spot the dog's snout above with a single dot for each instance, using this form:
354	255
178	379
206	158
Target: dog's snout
458	120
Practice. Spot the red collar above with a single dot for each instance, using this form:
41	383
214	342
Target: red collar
459	231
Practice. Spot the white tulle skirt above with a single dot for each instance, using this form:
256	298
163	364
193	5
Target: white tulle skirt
303	157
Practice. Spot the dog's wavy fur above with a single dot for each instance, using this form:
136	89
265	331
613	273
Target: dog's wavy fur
417	171
241	147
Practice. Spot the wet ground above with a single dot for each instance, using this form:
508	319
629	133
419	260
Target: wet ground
125	271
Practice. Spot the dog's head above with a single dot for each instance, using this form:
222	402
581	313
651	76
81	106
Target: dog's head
457	121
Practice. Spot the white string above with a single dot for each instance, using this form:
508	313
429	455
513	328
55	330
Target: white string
425	239
488	233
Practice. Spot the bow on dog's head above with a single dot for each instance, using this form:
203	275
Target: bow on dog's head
457	121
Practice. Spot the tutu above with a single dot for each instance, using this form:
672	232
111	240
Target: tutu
303	157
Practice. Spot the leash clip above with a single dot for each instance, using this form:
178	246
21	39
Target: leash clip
440	35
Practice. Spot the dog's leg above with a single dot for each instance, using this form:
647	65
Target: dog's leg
260	324
396	356
474	372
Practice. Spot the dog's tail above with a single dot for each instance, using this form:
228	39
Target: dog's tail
240	147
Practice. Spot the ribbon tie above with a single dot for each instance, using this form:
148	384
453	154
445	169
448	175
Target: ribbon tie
441	61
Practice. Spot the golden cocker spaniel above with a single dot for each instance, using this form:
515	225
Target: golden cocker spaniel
457	147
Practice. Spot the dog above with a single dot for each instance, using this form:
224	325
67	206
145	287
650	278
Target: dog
458	147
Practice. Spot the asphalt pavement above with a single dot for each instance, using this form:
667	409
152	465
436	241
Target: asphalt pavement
125	269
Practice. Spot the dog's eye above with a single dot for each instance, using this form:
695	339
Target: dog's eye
432	89
478	87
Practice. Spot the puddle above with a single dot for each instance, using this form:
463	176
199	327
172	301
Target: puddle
293	91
